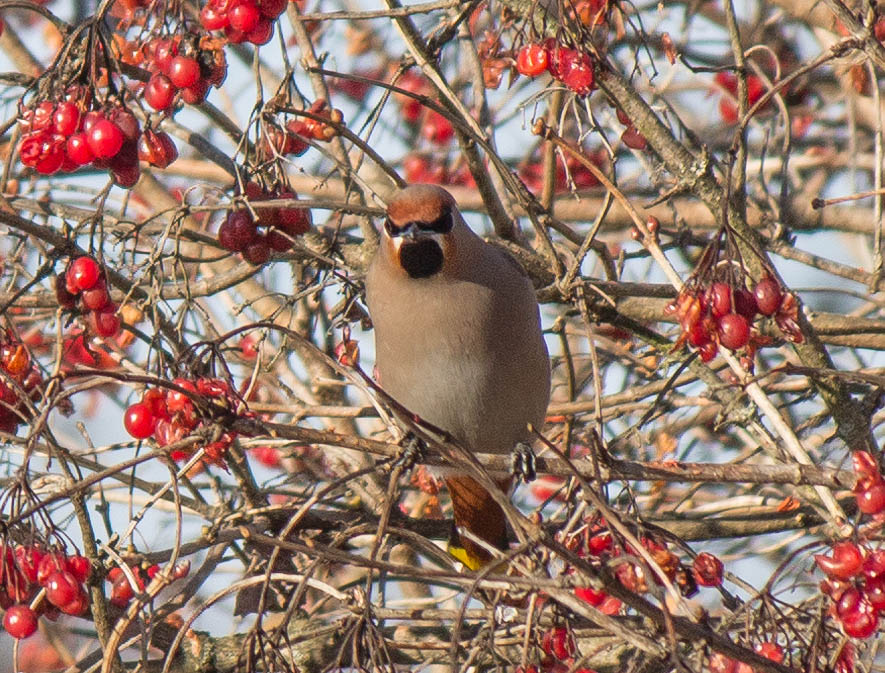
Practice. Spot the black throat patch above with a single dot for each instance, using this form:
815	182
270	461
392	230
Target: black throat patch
422	258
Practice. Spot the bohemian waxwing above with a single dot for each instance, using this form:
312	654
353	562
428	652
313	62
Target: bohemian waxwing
458	342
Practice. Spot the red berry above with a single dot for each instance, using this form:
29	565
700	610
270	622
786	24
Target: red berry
193	95
261	33
590	595
106	323
734	331
184	71
159	92
90	119
157	149
28	558
719	299
164	51
257	252
83	274
66	118
51	563
126	176
77	605
437	128
633	138
61	588
865	466
845	563
707	570
105	139
121	591
139	420
531	60
126	122
272	9
871	500
770	650
177	401
558	643
278	241
96	298
237	231
745	303
78	150
768	296
213	19
20	621
79	567
244	17
879	29
874	590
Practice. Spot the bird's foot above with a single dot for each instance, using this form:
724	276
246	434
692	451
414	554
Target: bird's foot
413	451
522	462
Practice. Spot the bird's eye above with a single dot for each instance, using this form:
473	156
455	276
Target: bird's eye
393	230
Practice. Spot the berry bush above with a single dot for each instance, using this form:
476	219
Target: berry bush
198	469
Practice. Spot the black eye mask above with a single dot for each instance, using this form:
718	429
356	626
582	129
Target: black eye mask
441	225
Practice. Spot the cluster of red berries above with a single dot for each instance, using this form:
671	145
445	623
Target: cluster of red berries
430	168
572	67
572	172
719	663
723	315
728	82
598	546
239	232
84	278
20	379
856	584
182	67
65	136
121	587
293	139
558	646
869	490
24	571
170	415
432	125
243	20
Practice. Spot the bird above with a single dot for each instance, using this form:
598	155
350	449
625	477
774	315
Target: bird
459	343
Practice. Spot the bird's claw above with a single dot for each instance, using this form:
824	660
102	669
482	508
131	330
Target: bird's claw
413	451
522	462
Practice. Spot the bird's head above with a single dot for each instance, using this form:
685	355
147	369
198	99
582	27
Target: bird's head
419	232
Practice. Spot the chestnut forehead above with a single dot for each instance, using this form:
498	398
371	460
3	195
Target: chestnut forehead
420	203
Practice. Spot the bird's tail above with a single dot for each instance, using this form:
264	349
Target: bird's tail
476	511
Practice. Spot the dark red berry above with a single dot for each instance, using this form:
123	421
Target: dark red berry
734	331
237	231
768	296
184	71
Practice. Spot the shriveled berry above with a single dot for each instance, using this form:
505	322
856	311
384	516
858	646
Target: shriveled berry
237	231
768	296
